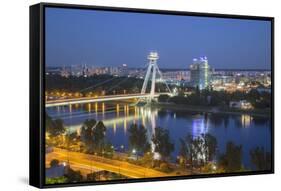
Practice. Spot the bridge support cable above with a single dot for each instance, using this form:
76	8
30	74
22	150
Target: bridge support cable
161	76
120	82
106	81
96	85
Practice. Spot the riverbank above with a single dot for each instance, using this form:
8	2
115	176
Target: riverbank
209	109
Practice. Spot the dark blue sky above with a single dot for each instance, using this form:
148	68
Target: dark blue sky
103	38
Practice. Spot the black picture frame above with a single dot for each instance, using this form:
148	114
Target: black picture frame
37	98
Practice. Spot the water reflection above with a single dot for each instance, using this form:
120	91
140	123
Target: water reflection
118	117
96	109
89	107
103	109
117	110
114	127
246	120
199	126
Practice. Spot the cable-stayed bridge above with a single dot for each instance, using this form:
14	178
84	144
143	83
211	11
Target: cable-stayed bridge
151	73
62	102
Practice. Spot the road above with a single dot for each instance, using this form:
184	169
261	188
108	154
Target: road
61	102
81	100
85	163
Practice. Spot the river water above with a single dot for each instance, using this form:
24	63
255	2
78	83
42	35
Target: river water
249	131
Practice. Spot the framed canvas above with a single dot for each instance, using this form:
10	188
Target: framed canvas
122	95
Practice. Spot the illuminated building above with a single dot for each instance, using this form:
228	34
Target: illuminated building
176	75
77	70
242	104
200	73
53	70
85	70
123	70
113	71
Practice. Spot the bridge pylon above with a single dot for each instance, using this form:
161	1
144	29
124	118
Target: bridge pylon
151	72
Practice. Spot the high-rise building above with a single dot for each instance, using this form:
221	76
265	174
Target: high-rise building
85	70
77	70
123	70
200	73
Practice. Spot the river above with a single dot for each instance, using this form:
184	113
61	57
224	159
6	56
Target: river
249	131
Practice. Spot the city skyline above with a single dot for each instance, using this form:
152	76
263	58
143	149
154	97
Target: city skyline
163	69
75	36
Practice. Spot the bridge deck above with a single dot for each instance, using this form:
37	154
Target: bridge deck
62	102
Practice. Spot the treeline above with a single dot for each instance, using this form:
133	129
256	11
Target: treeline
97	84
259	100
195	153
90	139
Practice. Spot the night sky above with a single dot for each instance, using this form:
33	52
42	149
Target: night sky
103	38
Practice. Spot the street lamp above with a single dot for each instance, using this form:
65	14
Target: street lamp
122	148
134	151
214	167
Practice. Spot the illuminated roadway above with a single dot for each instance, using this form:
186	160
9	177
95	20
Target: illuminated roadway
62	102
85	163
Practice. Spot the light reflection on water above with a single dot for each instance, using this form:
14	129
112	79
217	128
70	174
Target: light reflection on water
199	126
242	129
246	120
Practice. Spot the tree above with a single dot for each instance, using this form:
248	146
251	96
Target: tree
54	163
198	150
231	161
48	122
54	127
87	134
210	144
186	150
183	153
179	100
91	177
72	140
163	98
99	135
71	137
133	135
260	158
75	84
73	176
93	134
138	138
162	142
89	123
54	131
108	150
